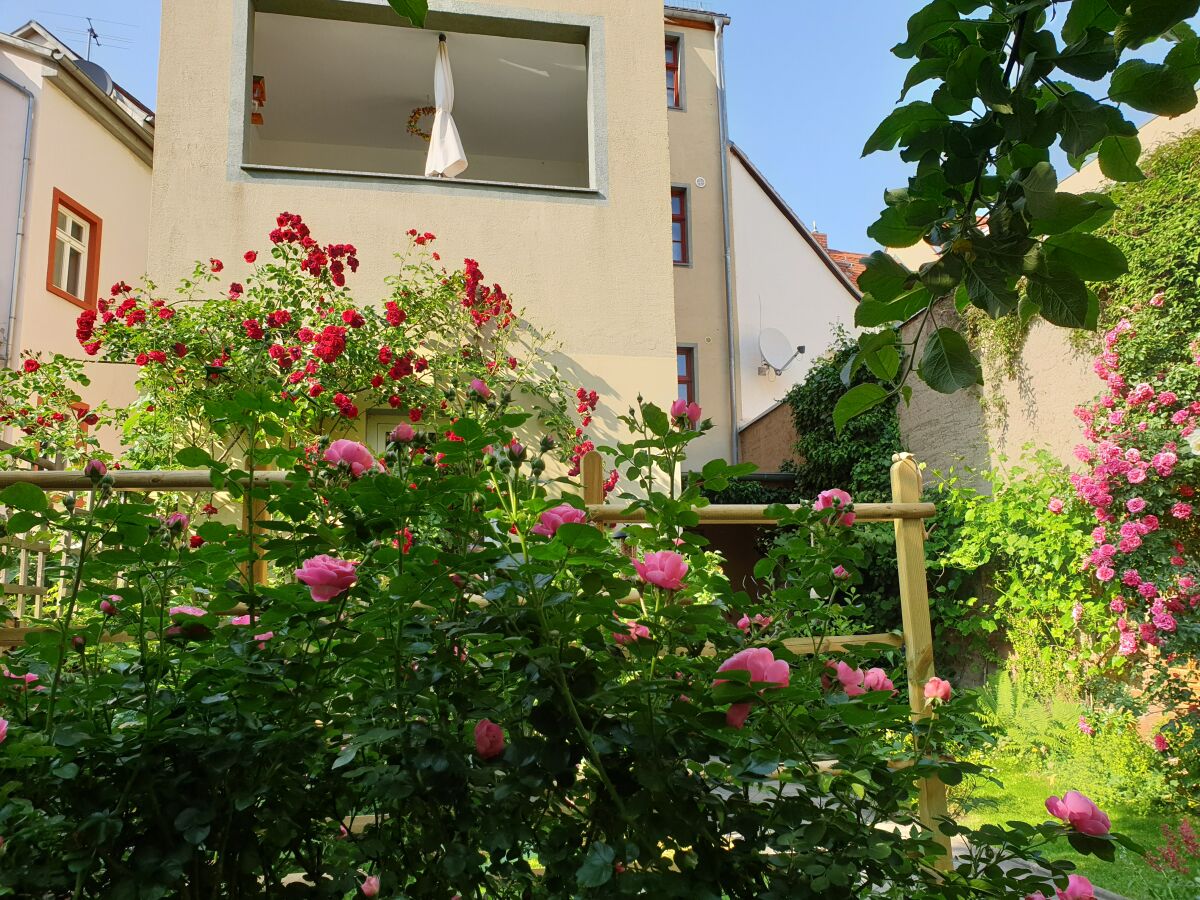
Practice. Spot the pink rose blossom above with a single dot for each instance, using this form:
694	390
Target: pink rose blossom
489	739
177	522
481	388
187	611
1105	573
1135	505
1055	506
95	469
763	668
840	572
850	679
1078	888
633	632
1085	727
938	689
1160	743
353	455
3	730
327	576
835	499
402	434
1079	812
370	886
876	680
109	605
665	569
555	517
1182	510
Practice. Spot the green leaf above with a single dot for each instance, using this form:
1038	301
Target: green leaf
1119	155
989	290
193	457
1184	59
1152	88
1039	187
1083	212
1092	57
413	10
1061	296
885	277
1085	14
893	228
1147	19
23	495
597	868
1091	258
926	24
900	122
963	73
947	364
1084	124
856	401
656	420
870	313
922	71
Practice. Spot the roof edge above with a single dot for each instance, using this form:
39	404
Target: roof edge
696	15
795	220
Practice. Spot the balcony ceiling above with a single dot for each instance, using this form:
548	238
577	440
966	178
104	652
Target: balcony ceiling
355	84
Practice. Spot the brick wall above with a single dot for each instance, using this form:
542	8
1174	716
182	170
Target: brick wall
769	440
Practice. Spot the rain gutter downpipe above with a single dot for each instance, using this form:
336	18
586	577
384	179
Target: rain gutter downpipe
10	312
723	118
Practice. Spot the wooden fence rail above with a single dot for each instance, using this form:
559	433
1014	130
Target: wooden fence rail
906	511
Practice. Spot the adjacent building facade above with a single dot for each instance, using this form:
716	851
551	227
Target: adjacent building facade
75	168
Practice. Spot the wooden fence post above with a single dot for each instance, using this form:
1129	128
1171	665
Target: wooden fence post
593	478
918	634
254	510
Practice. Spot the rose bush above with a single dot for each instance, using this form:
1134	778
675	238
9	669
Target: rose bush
452	683
283	354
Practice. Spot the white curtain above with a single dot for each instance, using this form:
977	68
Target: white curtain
446	157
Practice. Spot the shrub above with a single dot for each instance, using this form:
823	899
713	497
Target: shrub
859	458
465	689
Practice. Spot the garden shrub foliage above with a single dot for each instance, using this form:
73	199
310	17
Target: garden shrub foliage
466	689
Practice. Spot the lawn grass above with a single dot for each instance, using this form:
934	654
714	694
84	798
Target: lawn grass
1023	797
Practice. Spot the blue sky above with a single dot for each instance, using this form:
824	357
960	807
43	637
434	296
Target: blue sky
801	108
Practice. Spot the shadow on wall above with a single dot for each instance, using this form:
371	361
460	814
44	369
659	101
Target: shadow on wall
944	431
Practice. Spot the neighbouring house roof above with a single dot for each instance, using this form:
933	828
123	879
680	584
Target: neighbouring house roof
682	15
850	262
37	33
121	114
818	242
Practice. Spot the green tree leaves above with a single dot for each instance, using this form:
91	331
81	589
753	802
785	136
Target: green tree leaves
947	363
984	193
1152	87
413	10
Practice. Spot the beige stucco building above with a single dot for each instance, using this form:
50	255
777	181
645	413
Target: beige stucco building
577	164
75	168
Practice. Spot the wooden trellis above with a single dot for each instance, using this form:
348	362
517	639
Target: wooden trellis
906	512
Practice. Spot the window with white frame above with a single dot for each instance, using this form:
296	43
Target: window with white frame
70	253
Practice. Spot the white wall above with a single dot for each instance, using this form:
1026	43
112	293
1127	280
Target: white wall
781	282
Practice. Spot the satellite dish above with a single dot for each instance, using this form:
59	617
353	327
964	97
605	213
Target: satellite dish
97	74
777	351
